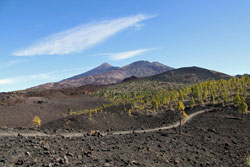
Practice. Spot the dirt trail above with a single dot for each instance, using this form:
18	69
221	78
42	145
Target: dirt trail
32	133
174	125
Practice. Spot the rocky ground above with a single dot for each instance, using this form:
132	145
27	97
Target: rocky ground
116	119
217	138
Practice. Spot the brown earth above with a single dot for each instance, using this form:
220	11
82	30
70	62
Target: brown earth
17	109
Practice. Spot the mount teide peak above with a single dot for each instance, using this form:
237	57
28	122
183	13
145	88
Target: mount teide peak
105	67
106	74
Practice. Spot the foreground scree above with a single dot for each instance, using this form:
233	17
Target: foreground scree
215	138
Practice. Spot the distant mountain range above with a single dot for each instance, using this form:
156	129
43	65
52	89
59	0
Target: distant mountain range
106	74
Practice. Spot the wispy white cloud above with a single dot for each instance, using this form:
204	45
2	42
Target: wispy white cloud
45	77
128	54
26	78
6	81
11	63
81	37
124	55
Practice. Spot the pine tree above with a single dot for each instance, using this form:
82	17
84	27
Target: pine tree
200	98
243	108
192	102
213	98
181	108
205	94
237	99
181	95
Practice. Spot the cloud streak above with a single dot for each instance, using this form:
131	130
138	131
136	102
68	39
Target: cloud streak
50	76
128	54
26	78
81	37
124	55
6	81
11	63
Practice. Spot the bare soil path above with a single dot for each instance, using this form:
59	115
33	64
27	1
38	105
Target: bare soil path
33	133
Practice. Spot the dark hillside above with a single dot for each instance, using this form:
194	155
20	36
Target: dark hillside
189	75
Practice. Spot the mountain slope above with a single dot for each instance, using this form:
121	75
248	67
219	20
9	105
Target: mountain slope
105	67
189	75
144	69
239	75
109	75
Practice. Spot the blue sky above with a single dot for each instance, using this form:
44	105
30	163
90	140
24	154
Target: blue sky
46	41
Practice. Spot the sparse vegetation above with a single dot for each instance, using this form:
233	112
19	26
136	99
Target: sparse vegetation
181	109
36	121
175	99
158	96
243	108
155	96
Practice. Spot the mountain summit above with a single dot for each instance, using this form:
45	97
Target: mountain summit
108	74
105	67
144	69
